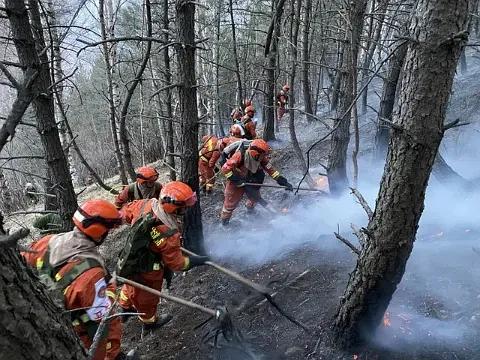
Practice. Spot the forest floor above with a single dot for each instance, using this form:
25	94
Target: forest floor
435	312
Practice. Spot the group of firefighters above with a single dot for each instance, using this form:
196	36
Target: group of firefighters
72	267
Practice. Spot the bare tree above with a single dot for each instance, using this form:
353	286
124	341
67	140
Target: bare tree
438	34
185	16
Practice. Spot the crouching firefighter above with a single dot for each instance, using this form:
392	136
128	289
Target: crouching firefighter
246	166
153	250
70	265
206	163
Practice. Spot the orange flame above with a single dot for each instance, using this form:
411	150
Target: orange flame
284	210
355	357
322	183
386	319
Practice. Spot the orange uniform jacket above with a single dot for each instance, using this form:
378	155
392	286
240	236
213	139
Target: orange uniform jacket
131	192
250	127
236	165
172	257
221	145
208	150
81	293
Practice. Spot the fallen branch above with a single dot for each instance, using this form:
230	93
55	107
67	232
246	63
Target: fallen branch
363	202
348	243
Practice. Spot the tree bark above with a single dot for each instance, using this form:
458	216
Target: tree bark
185	11
387	102
128	97
28	39
430	64
307	93
31	326
167	77
337	159
111	94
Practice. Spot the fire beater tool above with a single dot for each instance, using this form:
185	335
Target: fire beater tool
221	315
259	288
284	187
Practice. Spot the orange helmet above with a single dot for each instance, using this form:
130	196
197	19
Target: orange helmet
177	195
259	147
237	131
236	113
250	109
95	218
247	102
205	138
146	173
285	87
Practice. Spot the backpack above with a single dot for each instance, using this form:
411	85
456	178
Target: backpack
136	257
228	152
134	193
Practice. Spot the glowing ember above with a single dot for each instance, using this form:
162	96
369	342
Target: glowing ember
386	319
322	183
355	357
284	210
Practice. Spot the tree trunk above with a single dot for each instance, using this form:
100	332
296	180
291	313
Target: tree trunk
28	39
32	327
337	159
128	98
387	101
167	77
271	48
111	95
218	114
336	90
58	76
307	93
185	11
430	64
380	12
235	57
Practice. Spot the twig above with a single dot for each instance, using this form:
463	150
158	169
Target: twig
358	234
348	243
363	202
454	124
33	212
391	124
43	194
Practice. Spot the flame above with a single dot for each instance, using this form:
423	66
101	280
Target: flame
284	210
355	357
322	183
386	319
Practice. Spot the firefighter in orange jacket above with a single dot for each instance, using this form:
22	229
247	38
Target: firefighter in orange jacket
236	114
282	101
237	133
146	187
70	264
157	249
248	124
243	167
206	163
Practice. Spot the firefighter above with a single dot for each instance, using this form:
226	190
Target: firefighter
206	163
146	187
236	115
237	133
72	267
282	101
245	166
248	124
153	249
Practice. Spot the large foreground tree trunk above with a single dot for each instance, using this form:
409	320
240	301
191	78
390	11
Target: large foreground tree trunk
193	231
437	32
337	158
28	38
31	326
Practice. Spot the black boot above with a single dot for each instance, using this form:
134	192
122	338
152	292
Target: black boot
225	222
161	320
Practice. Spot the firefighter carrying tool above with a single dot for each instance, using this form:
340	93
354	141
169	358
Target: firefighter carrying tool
71	267
248	124
206	163
153	249
247	165
146	187
282	101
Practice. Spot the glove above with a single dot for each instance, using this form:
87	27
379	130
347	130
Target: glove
284	182
167	276
198	260
237	180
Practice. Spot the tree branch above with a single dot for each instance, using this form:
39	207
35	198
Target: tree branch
454	124
348	243
363	202
11	240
